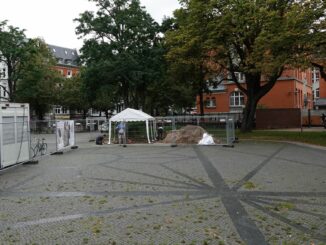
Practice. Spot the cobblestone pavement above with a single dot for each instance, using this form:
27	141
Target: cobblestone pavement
255	193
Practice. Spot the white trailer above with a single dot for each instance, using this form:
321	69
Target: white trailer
14	134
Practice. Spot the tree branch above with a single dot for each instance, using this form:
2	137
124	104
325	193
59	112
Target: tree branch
234	78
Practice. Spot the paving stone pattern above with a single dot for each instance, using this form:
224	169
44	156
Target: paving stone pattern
255	194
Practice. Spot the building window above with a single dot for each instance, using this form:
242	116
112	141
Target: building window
236	99
210	102
57	110
64	110
69	73
315	75
317	93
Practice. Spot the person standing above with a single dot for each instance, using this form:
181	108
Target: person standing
160	132
121	128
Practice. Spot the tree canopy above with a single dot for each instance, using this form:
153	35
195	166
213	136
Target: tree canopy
257	38
38	80
13	45
122	52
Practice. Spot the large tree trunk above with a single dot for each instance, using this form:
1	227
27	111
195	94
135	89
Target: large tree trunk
201	103
254	93
202	85
249	115
10	84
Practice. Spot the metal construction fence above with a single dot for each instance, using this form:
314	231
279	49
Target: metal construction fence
312	117
221	127
23	140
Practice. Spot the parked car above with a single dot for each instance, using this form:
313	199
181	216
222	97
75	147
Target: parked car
91	126
104	127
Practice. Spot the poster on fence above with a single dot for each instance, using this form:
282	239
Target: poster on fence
65	134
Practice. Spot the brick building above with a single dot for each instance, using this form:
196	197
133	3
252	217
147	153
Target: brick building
319	85
294	89
67	65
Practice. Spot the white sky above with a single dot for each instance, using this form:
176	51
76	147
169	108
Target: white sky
52	20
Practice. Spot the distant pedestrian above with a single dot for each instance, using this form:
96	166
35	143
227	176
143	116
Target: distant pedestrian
160	131
323	118
121	129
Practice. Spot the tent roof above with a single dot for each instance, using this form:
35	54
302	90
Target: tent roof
131	115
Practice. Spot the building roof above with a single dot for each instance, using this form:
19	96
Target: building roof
64	56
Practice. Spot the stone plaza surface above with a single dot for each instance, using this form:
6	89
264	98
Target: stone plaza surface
255	193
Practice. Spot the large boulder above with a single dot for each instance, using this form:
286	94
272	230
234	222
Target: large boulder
189	134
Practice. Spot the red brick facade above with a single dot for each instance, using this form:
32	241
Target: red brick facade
292	90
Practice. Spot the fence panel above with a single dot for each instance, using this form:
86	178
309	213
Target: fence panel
312	117
43	138
15	141
221	127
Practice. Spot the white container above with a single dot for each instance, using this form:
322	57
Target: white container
14	134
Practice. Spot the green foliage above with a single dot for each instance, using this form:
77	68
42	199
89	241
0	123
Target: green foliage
187	54
123	56
71	94
315	138
257	38
37	83
13	47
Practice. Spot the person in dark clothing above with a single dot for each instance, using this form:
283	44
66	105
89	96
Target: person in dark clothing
99	139
323	118
160	132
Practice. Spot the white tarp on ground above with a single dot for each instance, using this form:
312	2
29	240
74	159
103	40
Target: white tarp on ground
132	115
206	140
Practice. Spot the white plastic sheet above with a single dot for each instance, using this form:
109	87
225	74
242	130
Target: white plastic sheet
206	140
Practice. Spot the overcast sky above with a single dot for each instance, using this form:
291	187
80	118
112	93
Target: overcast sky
53	19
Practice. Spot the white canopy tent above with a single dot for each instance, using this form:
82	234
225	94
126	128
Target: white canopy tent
132	115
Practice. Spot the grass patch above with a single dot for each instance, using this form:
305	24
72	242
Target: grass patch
315	138
284	206
249	185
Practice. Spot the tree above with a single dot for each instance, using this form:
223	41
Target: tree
38	80
120	52
12	50
187	54
72	94
259	39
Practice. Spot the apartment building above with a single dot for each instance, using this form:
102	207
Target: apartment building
319	88
294	89
67	65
